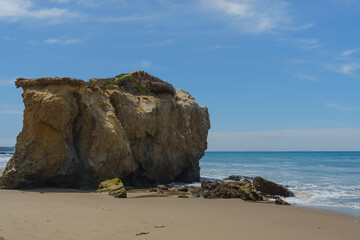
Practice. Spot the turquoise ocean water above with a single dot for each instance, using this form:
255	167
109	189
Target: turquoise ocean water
322	180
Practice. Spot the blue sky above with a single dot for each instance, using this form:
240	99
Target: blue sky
257	65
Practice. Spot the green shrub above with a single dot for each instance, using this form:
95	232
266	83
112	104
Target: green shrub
120	79
140	87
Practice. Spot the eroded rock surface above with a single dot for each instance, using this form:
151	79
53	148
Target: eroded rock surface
242	190
267	187
134	127
113	187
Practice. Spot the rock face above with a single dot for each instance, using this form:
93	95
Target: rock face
133	127
267	187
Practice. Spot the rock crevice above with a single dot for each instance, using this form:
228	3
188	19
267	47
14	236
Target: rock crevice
134	127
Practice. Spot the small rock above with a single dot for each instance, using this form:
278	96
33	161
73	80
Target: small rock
163	187
180	188
183	196
114	187
279	201
153	190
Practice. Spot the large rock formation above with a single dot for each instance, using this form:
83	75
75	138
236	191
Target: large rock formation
134	127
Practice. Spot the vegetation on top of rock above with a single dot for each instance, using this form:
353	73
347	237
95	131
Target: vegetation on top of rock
138	82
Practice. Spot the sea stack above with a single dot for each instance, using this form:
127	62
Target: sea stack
134	127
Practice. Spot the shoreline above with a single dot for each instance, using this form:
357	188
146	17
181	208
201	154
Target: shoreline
332	209
50	213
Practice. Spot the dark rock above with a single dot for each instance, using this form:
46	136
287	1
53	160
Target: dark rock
238	178
153	190
180	188
279	201
163	187
270	188
114	187
196	191
183	196
240	190
209	185
159	192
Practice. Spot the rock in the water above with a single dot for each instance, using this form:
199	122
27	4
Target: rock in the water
240	190
134	127
114	187
238	178
270	188
279	201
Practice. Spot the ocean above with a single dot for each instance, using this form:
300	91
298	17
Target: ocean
320	180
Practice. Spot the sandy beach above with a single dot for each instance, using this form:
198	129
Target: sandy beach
70	214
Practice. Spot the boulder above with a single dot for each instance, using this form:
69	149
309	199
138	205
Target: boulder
270	188
134	127
240	190
114	187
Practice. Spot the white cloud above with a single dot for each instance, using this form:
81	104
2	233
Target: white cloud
304	43
62	41
340	107
256	16
344	68
349	68
305	77
16	10
336	139
349	52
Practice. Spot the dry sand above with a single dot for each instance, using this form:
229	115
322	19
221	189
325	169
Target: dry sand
69	214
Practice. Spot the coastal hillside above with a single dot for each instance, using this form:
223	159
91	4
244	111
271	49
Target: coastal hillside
134	126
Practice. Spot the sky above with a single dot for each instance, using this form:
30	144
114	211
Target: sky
275	74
